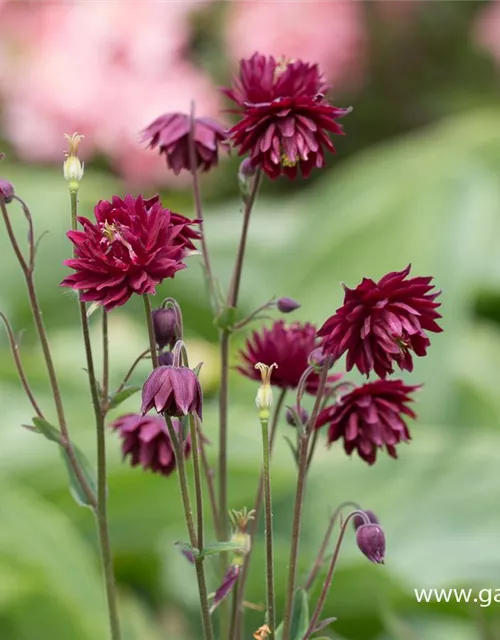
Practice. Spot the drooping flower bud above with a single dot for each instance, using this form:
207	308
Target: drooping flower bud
166	359
6	190
175	391
358	520
287	305
165	327
73	166
264	399
371	541
317	358
293	413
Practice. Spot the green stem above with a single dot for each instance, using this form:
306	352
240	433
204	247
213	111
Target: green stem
151	333
236	627
197	480
101	511
105	363
268	510
188	513
299	500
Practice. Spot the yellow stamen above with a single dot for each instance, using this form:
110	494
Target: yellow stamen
73	143
264	398
109	231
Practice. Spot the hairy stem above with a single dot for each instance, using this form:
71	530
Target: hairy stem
151	333
268	510
105	363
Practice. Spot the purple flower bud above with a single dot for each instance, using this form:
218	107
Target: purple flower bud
246	170
226	587
173	390
371	541
165	327
317	358
287	305
166	359
6	190
293	413
358	520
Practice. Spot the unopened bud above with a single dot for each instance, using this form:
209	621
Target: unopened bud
6	190
245	174
73	166
264	399
371	541
358	520
166	359
287	305
294	414
165	327
317	358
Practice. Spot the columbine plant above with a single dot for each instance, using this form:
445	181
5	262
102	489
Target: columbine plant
134	243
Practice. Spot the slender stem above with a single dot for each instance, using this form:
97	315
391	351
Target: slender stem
253	315
268	510
199	209
209	478
312	448
101	511
14	347
299	499
105	362
318	563
188	513
238	268
131	371
329	576
44	342
197	480
240	587
151	333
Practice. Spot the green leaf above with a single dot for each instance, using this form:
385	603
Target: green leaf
47	430
88	472
220	547
122	395
300	615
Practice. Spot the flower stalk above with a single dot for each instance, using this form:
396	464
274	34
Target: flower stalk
268	510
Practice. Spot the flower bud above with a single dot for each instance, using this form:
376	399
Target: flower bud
246	173
293	413
316	358
6	190
358	520
264	399
287	305
175	391
371	541
73	166
166	359
165	327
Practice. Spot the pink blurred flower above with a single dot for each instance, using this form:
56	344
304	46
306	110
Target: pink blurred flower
331	34
104	69
486	30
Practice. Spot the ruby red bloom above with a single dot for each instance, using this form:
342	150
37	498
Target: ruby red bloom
170	133
133	245
285	116
370	417
289	347
173	390
147	442
381	323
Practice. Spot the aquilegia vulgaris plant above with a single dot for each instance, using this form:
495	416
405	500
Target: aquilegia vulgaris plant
129	247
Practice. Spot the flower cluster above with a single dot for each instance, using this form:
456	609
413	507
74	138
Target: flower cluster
286	118
133	245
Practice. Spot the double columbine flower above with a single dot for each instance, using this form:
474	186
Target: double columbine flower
170	133
146	442
381	323
286	118
133	245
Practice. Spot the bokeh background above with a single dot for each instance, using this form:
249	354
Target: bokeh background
416	179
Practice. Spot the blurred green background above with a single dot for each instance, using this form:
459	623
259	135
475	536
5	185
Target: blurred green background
416	179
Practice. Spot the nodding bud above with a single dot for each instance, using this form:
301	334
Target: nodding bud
175	391
246	170
317	358
6	190
293	415
165	327
358	520
166	359
287	305
371	541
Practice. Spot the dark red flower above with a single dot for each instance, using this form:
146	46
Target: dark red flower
173	390
285	116
170	133
381	323
133	245
370	417
289	347
147	442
